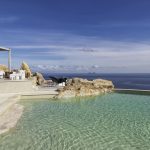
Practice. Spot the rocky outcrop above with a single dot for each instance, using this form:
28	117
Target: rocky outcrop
38	78
27	69
82	87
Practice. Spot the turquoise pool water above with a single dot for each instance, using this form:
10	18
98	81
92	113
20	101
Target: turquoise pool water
113	121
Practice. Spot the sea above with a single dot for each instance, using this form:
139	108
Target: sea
120	80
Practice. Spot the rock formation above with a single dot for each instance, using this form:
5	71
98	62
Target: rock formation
82	87
38	78
27	69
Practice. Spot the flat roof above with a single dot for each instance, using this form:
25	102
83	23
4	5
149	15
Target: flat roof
4	49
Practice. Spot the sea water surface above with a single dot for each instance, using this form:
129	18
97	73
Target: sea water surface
120	80
112	121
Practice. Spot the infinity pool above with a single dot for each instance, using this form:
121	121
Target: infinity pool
112	121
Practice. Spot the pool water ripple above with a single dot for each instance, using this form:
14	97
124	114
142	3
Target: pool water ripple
113	121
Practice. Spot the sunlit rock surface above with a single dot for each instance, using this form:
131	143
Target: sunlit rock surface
38	78
82	87
25	66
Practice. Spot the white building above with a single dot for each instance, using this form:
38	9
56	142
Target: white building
61	84
2	74
20	75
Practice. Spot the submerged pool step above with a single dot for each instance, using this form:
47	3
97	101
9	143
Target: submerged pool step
133	91
37	97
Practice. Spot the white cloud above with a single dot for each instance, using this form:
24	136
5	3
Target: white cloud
72	68
117	24
9	19
80	52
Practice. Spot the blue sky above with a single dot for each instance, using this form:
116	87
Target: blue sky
101	36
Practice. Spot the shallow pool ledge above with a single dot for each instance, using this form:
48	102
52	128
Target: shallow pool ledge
10	112
132	91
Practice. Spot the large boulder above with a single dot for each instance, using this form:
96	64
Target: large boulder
38	78
25	66
82	87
